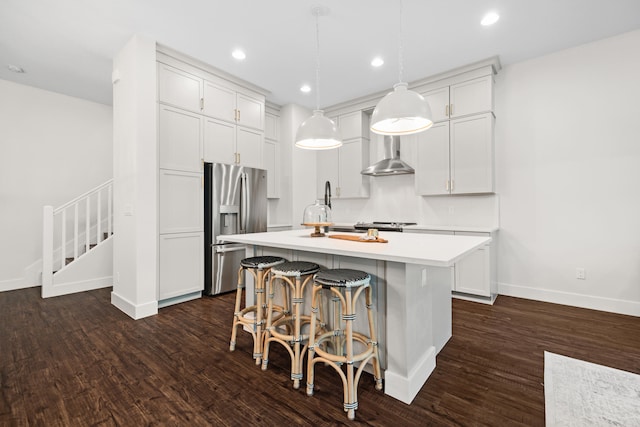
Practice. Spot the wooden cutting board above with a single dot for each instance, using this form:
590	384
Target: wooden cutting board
357	238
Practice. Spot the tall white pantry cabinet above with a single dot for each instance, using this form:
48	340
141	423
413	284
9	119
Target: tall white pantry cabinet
202	117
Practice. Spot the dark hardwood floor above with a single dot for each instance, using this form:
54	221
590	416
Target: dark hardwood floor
77	360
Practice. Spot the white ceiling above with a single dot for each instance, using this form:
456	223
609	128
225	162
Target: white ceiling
67	46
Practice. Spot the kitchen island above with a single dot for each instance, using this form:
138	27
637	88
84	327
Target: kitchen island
412	276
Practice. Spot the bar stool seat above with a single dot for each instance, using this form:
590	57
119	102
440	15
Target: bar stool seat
345	286
258	267
287	330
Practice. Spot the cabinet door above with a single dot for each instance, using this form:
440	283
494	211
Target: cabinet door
271	126
352	156
271	164
219	141
250	112
181	201
327	164
432	169
472	273
353	125
179	88
249	147
472	154
181	264
438	100
471	97
219	102
180	139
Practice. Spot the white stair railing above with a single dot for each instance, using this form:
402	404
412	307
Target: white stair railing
91	212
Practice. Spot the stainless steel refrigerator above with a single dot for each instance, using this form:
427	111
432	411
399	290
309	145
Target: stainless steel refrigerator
235	202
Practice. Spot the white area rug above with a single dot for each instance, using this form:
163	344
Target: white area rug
578	393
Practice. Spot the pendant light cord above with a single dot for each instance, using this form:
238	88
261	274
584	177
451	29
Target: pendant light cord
400	58
317	14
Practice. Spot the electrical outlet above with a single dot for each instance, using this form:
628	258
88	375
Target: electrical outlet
580	273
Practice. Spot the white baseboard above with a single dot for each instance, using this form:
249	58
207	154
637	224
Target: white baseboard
78	286
404	388
14	284
132	310
630	308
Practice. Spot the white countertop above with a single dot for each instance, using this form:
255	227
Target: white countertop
411	248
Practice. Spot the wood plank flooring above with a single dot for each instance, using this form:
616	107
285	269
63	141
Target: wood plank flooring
77	360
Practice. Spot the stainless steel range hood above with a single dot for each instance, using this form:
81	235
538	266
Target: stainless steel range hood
391	164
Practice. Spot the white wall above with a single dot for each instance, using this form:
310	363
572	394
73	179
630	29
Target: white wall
568	175
52	148
135	173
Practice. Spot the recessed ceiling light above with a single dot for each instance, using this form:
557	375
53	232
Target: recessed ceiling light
305	88
238	54
490	19
377	62
16	69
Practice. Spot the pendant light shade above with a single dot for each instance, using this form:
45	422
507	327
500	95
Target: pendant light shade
401	112
318	132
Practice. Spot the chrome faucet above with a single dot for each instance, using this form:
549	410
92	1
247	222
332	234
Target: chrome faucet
327	194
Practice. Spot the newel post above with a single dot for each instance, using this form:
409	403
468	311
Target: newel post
47	250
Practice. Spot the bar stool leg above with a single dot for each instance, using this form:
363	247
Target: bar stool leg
236	312
312	339
375	361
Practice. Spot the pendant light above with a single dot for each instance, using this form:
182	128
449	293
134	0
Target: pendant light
318	132
401	112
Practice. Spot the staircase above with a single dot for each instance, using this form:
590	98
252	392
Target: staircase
81	231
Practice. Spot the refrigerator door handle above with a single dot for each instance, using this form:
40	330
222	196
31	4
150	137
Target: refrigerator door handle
243	203
224	248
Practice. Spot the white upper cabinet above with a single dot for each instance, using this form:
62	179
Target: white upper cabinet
180	139
432	168
341	166
219	141
271	154
353	125
249	144
456	157
225	142
179	88
438	100
227	104
219	102
462	99
471	149
471	97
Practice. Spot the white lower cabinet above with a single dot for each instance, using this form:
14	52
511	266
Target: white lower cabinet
474	276
181	265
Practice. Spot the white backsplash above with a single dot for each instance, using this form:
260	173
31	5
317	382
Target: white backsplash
393	198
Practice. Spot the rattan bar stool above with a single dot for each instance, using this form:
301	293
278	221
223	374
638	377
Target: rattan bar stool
294	277
347	286
259	268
